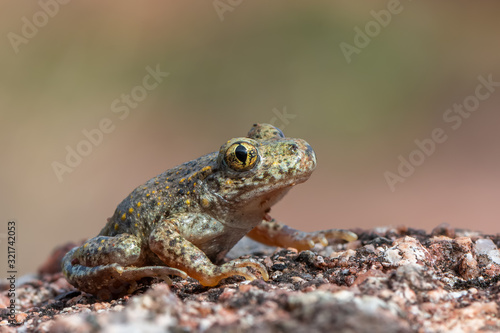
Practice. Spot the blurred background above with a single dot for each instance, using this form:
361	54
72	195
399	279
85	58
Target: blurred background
361	99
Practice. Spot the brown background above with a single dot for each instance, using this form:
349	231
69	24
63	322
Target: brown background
226	75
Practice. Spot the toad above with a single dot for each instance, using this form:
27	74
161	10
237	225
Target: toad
184	221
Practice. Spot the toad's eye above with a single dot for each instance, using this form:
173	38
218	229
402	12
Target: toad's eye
241	156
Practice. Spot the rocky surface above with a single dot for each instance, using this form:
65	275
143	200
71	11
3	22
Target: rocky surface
390	280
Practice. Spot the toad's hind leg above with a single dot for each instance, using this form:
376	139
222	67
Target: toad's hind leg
174	250
110	266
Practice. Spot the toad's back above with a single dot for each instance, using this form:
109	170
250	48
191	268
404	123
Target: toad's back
178	190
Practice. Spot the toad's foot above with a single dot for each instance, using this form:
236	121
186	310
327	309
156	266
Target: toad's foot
212	276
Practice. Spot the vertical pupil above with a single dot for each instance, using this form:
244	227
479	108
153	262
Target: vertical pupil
241	153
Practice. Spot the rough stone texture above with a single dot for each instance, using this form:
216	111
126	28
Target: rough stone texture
390	280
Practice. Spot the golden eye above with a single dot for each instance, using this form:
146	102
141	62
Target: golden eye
241	156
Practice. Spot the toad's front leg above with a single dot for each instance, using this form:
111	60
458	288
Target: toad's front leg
271	232
167	242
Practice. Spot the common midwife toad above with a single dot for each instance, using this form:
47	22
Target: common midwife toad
184	221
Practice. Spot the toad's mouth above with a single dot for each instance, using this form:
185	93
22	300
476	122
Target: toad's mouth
270	197
269	191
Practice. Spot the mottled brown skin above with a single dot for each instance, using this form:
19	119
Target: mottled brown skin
185	220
